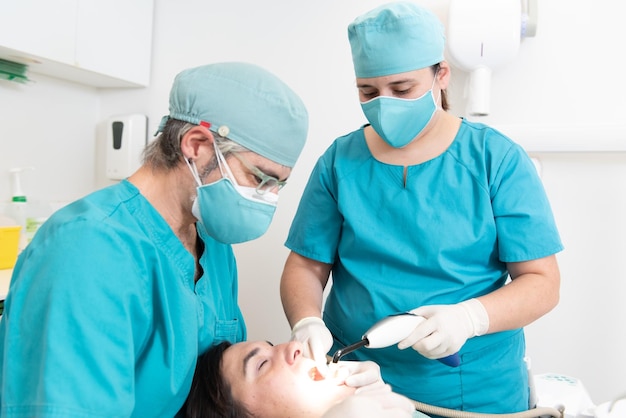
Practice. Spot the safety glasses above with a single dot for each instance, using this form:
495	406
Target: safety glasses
266	183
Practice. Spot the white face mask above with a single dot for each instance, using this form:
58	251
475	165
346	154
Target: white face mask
251	193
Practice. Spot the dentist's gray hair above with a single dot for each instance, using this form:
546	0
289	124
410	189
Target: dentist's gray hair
164	152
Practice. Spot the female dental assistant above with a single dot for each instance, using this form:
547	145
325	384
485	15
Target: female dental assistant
120	291
422	211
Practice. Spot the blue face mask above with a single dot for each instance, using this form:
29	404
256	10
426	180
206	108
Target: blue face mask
399	121
231	213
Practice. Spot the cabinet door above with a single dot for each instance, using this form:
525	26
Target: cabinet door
114	37
43	28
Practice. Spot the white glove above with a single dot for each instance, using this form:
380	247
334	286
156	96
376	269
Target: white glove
317	340
375	402
361	374
446	328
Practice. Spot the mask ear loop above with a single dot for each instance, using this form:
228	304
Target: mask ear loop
223	165
194	171
432	87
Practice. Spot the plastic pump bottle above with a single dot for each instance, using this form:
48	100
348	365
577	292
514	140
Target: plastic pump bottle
24	213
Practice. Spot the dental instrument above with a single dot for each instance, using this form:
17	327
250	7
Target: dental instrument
557	396
389	331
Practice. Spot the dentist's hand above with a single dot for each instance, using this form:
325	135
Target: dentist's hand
316	338
373	401
446	328
361	374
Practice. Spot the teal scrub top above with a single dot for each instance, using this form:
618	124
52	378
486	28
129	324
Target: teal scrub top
441	237
103	318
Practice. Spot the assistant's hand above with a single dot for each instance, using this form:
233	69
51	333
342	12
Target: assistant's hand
373	401
446	328
317	340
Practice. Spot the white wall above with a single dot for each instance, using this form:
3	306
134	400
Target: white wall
568	74
49	125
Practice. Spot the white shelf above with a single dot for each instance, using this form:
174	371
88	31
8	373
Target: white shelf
570	138
48	67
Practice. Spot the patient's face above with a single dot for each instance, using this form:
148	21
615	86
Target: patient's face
278	381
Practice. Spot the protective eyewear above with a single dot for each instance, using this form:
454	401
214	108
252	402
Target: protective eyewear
266	183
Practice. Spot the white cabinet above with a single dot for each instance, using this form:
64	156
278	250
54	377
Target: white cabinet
102	43
45	29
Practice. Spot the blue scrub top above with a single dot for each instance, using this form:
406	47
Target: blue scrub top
103	318
441	237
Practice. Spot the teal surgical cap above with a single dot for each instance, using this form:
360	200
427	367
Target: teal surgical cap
395	38
245	103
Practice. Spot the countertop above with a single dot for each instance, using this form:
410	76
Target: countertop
5	279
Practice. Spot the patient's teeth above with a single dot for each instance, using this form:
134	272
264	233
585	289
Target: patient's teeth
314	374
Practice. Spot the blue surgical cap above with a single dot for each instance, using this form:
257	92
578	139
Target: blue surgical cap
395	38
245	103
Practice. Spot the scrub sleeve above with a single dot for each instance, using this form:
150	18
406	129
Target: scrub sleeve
440	236
103	317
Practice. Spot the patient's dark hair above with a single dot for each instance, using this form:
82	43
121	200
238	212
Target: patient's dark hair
210	395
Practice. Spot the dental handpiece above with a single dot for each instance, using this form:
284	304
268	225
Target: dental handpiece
389	331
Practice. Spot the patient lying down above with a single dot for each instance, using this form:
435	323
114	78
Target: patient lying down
257	379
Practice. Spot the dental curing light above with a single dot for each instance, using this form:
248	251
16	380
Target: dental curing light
389	331
482	35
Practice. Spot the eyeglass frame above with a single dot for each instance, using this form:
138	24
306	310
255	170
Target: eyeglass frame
265	178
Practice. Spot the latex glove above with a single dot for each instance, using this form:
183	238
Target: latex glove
317	340
446	328
375	402
360	374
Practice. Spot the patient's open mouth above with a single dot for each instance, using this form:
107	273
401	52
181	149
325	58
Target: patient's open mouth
315	374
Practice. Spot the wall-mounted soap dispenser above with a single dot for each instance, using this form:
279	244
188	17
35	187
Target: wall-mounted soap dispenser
126	138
